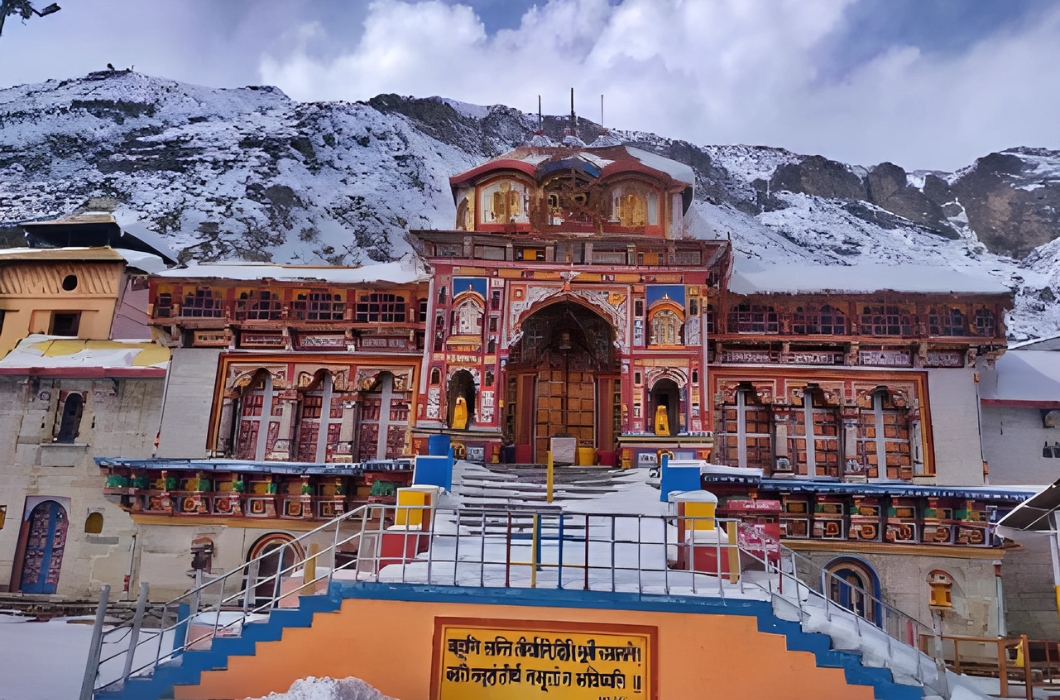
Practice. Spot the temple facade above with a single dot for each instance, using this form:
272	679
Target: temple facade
575	307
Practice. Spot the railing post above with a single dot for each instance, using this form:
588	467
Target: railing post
533	552
217	615
559	565
1028	678
134	635
92	666
734	551
251	591
586	570
1002	663
507	552
482	553
196	600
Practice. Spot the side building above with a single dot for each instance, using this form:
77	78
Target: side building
1020	399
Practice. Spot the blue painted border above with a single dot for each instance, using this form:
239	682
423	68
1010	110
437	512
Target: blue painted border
188	670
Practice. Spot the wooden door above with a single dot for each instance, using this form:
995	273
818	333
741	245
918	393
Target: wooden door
44	549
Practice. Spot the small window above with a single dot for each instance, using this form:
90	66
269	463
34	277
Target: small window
423	311
164	305
70	283
493	323
693	307
94	524
984	323
489	378
441	296
70	418
695	376
66	323
3	516
436	377
638	307
495	300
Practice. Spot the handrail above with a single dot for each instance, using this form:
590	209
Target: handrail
497	546
245	592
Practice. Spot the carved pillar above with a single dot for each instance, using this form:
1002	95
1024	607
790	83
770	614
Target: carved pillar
223	443
783	460
852	469
349	412
283	449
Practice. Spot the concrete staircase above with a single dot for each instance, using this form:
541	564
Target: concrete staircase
188	668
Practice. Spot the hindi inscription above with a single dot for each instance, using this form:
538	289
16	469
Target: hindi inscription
478	659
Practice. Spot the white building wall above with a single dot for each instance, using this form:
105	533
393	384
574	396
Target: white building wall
955	427
1013	439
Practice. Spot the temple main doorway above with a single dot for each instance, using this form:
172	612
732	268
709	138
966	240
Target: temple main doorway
562	381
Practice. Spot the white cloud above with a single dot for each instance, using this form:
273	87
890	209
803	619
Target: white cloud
710	71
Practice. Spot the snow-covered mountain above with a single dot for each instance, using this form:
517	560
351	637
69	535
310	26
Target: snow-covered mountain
250	174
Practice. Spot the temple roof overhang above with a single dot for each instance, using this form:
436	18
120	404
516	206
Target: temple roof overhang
258	467
899	489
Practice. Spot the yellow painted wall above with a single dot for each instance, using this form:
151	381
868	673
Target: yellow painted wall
389	645
31	291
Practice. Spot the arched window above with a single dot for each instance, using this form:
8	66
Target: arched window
467	318
818	320
320	420
665	328
946	321
984	323
202	303
258	305
746	438
436	377
885	320
70	418
884	446
259	419
94	524
380	308
753	318
814	437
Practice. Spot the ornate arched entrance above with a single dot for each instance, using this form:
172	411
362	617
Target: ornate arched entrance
563	380
45	530
853	583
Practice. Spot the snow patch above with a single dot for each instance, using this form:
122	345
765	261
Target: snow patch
312	688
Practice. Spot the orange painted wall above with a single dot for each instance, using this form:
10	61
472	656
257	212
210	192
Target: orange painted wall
389	645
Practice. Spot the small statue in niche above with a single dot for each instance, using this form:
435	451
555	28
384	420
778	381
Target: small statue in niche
662	420
460	414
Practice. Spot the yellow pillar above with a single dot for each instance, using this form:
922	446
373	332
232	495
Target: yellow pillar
734	552
550	475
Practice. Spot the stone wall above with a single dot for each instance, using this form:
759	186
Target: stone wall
903	585
955	426
120	418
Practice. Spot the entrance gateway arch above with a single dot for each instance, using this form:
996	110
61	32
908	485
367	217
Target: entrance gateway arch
563	379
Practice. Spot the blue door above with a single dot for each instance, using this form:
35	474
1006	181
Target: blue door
850	589
44	548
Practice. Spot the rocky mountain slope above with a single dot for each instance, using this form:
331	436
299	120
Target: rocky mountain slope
251	174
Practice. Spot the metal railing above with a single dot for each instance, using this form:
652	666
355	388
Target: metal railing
502	548
886	636
995	662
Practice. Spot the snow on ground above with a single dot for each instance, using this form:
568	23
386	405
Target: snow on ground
312	688
46	660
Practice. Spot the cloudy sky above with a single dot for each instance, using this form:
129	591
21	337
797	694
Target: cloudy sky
922	83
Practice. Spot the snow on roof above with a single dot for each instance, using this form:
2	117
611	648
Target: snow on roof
755	277
403	271
73	253
47	352
133	258
1024	376
678	171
